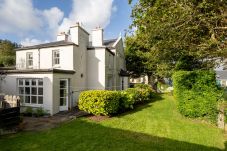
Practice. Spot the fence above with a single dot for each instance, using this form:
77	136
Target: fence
9	111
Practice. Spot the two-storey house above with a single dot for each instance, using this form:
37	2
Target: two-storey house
52	75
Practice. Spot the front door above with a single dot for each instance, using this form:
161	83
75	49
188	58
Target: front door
64	94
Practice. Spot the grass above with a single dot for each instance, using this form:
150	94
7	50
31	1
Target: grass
155	126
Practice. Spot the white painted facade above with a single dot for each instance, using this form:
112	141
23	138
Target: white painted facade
68	66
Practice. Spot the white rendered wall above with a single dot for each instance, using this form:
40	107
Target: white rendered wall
97	37
43	58
96	69
9	87
56	90
80	63
119	62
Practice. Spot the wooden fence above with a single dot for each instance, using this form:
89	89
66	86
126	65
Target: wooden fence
9	111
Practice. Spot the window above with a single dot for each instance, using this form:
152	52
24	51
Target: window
56	57
29	60
31	91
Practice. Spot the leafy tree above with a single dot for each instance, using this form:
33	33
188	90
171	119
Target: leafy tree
7	53
178	35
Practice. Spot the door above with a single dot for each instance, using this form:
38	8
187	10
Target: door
64	94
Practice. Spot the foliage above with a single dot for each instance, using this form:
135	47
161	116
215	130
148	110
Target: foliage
40	112
127	100
103	102
161	86
99	102
28	111
155	126
145	92
177	35
7	53
197	93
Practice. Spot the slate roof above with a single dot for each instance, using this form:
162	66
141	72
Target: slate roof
109	43
37	71
47	45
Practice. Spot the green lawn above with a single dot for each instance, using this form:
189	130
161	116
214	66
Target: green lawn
155	126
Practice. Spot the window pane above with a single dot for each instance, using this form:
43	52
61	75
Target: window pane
34	99
63	93
56	56
62	84
40	100
34	91
33	82
21	90
27	90
40	82
27	82
62	101
21	82
40	91
27	99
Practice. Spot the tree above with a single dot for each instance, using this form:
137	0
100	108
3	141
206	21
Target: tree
178	34
7	53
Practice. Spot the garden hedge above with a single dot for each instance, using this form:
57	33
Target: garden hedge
197	93
99	102
104	102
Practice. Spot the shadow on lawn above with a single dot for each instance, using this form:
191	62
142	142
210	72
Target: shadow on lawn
82	135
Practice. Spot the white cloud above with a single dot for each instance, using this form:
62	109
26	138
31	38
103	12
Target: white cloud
21	18
53	17
30	42
18	17
91	13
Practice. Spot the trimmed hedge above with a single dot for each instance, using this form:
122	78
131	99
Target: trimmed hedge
145	92
197	93
103	102
99	102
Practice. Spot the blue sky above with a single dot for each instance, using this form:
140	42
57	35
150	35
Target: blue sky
36	21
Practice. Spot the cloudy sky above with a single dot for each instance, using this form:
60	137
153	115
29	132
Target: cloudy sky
31	22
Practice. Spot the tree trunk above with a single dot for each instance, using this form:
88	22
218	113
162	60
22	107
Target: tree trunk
153	82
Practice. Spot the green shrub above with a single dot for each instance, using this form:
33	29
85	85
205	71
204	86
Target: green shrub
40	112
145	92
197	93
28	111
127	100
99	102
134	93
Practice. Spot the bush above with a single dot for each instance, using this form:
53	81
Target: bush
127	100
197	93
145	92
103	102
40	112
99	102
28	111
134	93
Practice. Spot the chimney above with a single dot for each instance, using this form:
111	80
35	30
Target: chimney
97	37
74	33
62	37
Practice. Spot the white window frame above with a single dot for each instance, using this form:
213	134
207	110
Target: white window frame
37	85
56	59
29	58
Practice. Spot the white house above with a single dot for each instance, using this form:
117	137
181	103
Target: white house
52	75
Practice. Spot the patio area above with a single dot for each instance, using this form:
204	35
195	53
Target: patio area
48	122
